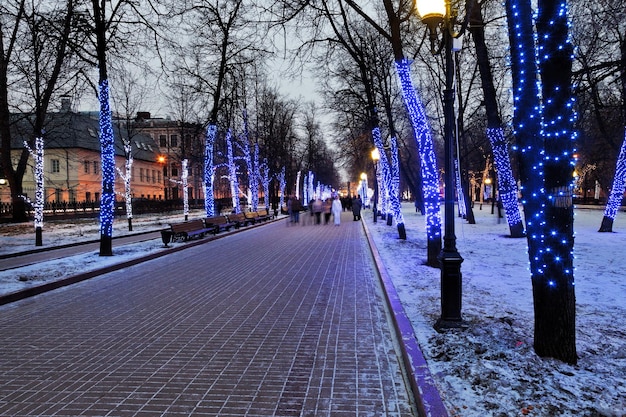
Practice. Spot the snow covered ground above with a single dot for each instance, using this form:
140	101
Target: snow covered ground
490	369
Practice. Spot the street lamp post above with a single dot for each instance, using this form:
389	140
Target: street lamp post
438	13
375	158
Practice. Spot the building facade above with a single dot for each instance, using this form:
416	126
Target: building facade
72	171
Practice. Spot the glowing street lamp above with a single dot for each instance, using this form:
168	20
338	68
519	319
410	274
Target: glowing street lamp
439	14
375	158
363	188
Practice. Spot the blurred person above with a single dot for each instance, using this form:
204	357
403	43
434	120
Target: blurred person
356	207
337	208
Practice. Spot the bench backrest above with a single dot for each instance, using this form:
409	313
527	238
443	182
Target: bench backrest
262	212
236	217
187	226
251	215
215	220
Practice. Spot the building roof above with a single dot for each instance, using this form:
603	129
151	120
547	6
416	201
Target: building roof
65	130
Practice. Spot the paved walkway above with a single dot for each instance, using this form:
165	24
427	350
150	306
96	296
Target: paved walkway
276	321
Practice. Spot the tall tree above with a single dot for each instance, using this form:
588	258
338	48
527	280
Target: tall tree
507	185
544	134
356	41
33	56
396	18
221	37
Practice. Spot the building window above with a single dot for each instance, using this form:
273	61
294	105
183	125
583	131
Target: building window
56	166
174	141
140	174
87	166
153	176
159	177
87	196
95	167
174	170
163	141
57	194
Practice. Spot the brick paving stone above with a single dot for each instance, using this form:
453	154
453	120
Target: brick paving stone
276	321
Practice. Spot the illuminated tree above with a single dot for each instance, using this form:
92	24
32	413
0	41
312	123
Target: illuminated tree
417	115
544	130
619	180
126	175
507	186
37	155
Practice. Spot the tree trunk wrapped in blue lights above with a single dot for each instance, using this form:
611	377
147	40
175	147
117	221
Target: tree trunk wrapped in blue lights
232	173
619	180
396	203
507	186
266	183
428	161
390	173
107	152
37	155
545	138
283	184
617	191
209	200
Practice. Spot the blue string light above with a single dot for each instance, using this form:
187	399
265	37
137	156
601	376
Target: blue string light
506	182
619	184
232	173
283	185
384	169
396	204
423	137
107	152
209	200
38	156
266	183
543	114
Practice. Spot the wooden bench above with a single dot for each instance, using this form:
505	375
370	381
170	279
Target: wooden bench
264	214
252	216
189	229
239	219
218	223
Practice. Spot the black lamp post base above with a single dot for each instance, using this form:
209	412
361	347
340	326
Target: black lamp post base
442	325
451	288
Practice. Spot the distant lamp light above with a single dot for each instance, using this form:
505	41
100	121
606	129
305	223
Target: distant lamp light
363	176
375	155
161	159
3	181
487	181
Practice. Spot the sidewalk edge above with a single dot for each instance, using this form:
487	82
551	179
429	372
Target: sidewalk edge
425	392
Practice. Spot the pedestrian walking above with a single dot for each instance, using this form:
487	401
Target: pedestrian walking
296	208
317	210
337	209
356	207
327	210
